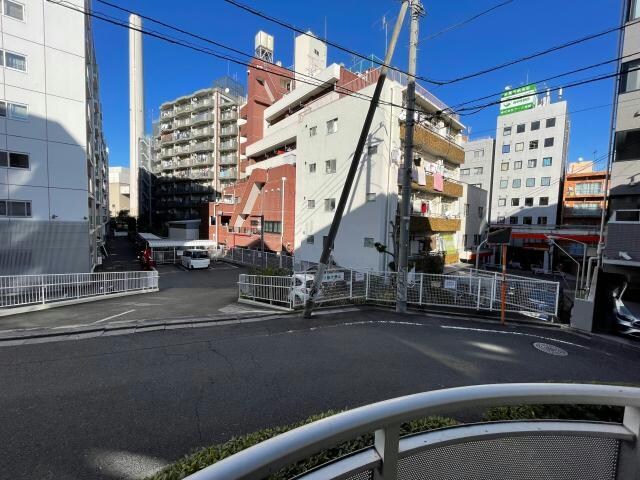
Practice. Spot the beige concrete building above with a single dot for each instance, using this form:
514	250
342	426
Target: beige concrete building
119	190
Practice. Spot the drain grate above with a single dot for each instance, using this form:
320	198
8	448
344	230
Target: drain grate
550	349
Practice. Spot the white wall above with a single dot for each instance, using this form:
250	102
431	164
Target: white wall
472	221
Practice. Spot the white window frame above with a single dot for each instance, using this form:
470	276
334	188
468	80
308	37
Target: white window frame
313	131
311	204
4	61
24	11
10	106
312	167
330	166
10	200
327	203
332	126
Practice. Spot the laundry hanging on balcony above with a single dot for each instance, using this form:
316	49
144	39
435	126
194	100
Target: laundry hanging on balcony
438	182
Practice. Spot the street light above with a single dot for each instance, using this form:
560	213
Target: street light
584	255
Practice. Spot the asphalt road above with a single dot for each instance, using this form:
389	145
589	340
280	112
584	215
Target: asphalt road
118	407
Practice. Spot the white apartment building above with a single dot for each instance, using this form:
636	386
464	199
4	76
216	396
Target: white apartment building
478	163
53	159
474	217
531	149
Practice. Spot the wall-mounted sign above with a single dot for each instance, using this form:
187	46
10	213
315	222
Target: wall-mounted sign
518	99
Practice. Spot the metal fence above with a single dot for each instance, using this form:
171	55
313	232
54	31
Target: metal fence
472	290
552	449
24	290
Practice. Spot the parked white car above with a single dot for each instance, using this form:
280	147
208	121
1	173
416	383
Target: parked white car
194	258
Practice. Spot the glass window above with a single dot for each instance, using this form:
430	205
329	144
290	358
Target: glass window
368	242
532	163
531	182
504	183
329	204
330	166
535	125
513	220
478	153
547	161
543	201
627	145
533	144
4	159
3	107
18	160
465	171
14	9
332	126
504	166
500	219
634	10
630	76
542	220
506	131
313	131
19	209
272	227
516	183
371	197
310	239
3	208
477	170
591	188
528	202
545	181
18	112
311	204
502	202
527	220
515	202
13	60
519	146
520	128
506	148
466	209
517	165
312	168
551	122
548	142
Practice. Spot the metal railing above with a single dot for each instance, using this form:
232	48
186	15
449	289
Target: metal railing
550	449
24	290
266	289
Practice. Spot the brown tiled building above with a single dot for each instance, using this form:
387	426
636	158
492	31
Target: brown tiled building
583	197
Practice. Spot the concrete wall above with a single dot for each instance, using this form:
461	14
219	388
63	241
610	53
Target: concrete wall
478	154
473	215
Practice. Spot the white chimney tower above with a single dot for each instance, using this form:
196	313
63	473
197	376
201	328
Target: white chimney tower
136	108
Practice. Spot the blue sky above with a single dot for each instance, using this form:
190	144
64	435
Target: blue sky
510	32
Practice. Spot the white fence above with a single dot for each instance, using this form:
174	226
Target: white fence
471	290
25	290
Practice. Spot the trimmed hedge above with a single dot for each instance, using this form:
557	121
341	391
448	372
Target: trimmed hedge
591	413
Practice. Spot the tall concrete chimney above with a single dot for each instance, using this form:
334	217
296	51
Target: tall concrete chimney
136	108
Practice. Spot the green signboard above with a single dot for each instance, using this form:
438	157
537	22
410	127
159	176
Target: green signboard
518	99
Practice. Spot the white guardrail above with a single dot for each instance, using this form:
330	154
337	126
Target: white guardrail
26	290
550	449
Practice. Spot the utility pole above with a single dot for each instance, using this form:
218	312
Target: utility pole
346	190
405	220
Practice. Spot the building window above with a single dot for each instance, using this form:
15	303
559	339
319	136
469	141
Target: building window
502	202
520	128
551	122
368	242
311	204
332	126
504	166
634	10
372	149
547	161
13	9
329	204
500	219
535	125
515	202
466	209
14	159
517	165
531	163
504	183
506	131
18	112
312	168
465	171
592	188
527	220
330	166
627	145
548	142
310	239
313	131
531	182
506	148
630	76
480	211
479	185
371	197
477	170
272	227
478	153
533	144
528	202
15	208
519	146
516	183
545	181
542	220
15	61
513	220
543	201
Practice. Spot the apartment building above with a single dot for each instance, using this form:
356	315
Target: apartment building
583	196
478	163
196	150
119	192
474	221
53	159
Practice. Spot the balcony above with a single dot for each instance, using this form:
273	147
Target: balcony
433	222
228	145
622	245
202	118
166	114
426	139
202	132
230	131
554	448
201	173
450	187
577	212
228	174
228	116
202	146
184	108
207	102
229	159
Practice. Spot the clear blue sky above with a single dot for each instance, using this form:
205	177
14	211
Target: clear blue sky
512	31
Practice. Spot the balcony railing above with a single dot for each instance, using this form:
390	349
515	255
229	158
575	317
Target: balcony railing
203	117
231	131
515	449
228	159
202	132
434	221
428	139
202	146
450	186
228	116
227	174
224	146
582	212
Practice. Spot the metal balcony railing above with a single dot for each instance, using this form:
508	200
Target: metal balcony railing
228	145
550	449
203	117
230	173
582	212
228	159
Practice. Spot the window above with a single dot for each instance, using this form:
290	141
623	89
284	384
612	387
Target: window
312	168
543	201
551	122
13	9
634	10
310	239
542	220
545	181
272	227
547	161
466	209
520	128
533	144
477	170
517	165
548	142
15	61
330	166
504	166
531	163
535	125
329	204
368	242
506	148
15	208
519	146
516	183
478	153
506	131
528	202
465	171
593	188
479	185
14	159
480	212
515	202
18	112
527	220
502	202
3	109
313	131
371	197
513	220
500	219
372	150
4	159
531	182
311	204
504	183
627	145
332	126
630	76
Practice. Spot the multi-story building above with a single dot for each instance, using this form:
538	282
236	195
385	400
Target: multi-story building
196	149
474	217
583	197
53	159
119	192
478	163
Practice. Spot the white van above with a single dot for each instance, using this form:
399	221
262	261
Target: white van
194	258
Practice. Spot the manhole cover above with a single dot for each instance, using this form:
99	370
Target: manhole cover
550	349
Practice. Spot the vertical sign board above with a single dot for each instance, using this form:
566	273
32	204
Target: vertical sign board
518	99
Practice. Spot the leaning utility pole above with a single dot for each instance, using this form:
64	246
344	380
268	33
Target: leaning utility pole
346	190
405	220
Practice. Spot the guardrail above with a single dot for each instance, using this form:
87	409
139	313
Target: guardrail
26	290
551	449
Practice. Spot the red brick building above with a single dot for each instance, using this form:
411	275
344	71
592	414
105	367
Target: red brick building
583	197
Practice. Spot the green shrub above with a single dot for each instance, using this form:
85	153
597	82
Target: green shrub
270	271
593	413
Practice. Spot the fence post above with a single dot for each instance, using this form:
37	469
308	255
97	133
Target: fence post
558	297
77	285
493	291
366	286
280	259
420	294
351	285
42	289
386	443
479	288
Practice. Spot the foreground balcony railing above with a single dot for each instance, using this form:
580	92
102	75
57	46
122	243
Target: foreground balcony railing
550	449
